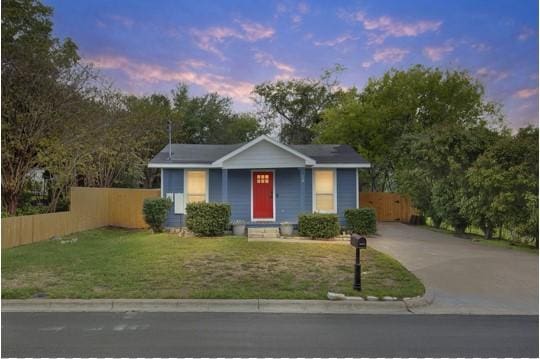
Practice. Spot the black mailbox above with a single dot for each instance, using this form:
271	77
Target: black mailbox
357	241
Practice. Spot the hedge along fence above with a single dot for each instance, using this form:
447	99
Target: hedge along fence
90	208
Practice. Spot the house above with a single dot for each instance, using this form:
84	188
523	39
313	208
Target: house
264	181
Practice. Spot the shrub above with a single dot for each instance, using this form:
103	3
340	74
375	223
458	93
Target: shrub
155	212
361	220
318	225
207	219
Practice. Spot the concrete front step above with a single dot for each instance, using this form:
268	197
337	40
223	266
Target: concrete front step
263	232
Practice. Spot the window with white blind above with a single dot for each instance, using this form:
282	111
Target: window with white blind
196	186
324	191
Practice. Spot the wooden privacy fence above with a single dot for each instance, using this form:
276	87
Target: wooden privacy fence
389	206
90	208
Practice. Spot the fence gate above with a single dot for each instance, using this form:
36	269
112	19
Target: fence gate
389	206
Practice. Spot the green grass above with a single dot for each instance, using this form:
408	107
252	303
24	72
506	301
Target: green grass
115	263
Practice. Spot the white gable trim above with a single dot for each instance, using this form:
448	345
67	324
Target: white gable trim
219	162
342	165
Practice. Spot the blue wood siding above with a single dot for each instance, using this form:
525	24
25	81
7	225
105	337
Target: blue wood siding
173	182
309	191
288	196
346	191
214	182
240	194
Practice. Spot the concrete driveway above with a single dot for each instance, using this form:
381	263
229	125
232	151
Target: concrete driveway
462	276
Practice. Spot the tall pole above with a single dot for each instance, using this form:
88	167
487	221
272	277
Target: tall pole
170	140
357	269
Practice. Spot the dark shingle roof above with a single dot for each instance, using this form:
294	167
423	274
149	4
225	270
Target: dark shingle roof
330	153
206	154
186	153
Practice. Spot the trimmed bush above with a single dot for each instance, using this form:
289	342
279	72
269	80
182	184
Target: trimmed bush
361	220
318	225
208	219
155	212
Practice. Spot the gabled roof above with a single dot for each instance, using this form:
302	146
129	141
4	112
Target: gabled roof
190	155
219	161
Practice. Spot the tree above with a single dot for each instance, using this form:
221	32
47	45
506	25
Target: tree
210	119
147	119
298	104
441	155
42	87
378	120
502	185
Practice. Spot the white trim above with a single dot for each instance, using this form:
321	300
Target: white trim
342	165
199	165
207	183
219	162
357	192
273	219
313	194
161	186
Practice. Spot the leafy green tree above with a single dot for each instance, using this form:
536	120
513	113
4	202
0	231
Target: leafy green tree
378	120
298	104
502	185
147	118
441	156
42	88
210	119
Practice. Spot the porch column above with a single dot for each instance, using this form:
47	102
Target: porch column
302	172
224	185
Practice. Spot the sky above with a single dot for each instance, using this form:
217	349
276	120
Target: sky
145	47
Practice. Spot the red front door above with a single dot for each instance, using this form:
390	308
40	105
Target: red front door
263	195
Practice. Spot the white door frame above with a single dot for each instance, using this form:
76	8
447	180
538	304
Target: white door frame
273	219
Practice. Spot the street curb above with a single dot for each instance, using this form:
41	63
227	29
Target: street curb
418	302
205	305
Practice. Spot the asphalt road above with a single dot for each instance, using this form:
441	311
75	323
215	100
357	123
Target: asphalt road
136	334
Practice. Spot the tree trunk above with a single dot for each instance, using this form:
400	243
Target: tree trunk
436	222
12	202
488	232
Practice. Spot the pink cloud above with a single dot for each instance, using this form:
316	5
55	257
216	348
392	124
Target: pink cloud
336	41
436	53
285	71
485	72
391	55
152	73
385	26
208	39
526	93
388	55
254	31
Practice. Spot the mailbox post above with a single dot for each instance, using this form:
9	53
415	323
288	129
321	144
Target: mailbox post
358	242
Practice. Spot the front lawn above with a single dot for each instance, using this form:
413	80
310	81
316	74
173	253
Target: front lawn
116	263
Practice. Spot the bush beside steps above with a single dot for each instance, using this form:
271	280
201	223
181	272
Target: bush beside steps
318	225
